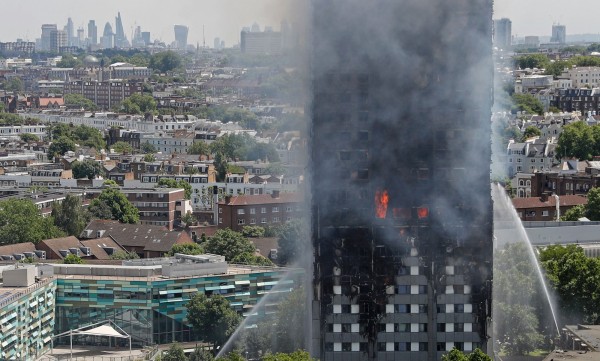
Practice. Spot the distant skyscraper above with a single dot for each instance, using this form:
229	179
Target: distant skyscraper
107	39
181	35
92	32
80	37
559	34
146	37
255	28
401	211
58	39
70	29
217	43
46	33
503	33
120	38
260	42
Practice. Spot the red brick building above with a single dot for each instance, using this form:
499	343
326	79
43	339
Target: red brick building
259	210
544	208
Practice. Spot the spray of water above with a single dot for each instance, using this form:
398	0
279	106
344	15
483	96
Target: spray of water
275	294
506	219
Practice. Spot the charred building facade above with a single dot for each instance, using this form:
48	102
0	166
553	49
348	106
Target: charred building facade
401	205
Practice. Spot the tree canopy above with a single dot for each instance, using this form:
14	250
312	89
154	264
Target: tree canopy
87	168
174	353
228	243
531	61
72	259
298	355
243	147
172	183
28	137
138	104
79	101
165	61
576	280
112	204
527	103
293	240
457	355
531	131
82	134
579	140
21	221
212	318
122	147
186	248
70	216
200	148
60	146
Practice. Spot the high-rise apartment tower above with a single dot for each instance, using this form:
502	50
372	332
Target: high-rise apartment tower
401	205
181	36
503	33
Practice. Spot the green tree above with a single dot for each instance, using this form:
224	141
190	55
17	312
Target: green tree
531	131
592	208
199	148
186	248
175	353
139	104
165	61
88	137
188	219
69	61
574	213
120	207
79	101
172	183
28	137
221	166
527	103
228	243
123	255
88	168
60	146
148	148
298	355
72	259
212	318
70	216
531	61
200	354
457	355
454	355
21	221
14	84
576	140
122	147
253	231
149	158
290	318
293	240
521	323
576	280
252	259
556	68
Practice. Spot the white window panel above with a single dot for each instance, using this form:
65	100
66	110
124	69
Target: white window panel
449	308
354	327
337	346
414	346
449	270
414	289
337	290
449	346
449	290
389	327
468	327
414	327
337	327
414	270
468	308
468	346
354	309
389	308
389	346
355	346
449	327
337	309
414	308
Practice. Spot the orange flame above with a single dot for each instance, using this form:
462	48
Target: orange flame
423	212
381	203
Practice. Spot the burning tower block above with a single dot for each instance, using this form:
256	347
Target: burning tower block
402	212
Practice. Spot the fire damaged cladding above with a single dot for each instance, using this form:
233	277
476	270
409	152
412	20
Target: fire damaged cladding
402	212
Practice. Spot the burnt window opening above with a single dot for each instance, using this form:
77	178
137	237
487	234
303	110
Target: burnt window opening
423	174
344	155
363	135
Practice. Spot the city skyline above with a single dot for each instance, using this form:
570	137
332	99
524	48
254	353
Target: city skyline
219	18
224	19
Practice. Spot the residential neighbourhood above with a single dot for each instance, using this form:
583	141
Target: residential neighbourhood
198	200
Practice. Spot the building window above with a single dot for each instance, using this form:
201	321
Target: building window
402	308
241	211
403	290
275	210
288	209
252	221
545	213
275	219
220	220
252	211
263	220
263	210
220	210
241	221
459	308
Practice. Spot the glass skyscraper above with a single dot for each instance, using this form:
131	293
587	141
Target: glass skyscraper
401	205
